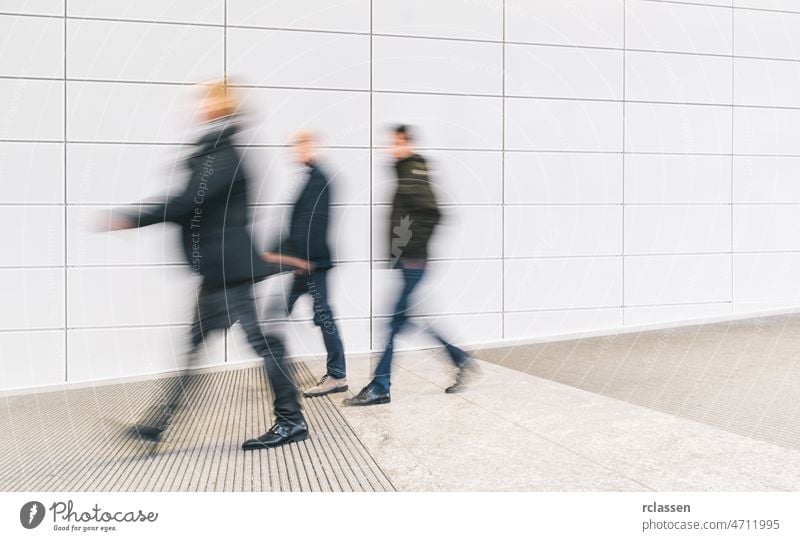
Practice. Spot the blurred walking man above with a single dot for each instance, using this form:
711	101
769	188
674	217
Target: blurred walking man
414	217
308	241
212	211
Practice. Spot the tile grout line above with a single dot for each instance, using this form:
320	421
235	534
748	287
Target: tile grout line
64	207
733	141
624	107
225	331
371	195
503	186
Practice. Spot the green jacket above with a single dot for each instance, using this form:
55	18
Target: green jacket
415	212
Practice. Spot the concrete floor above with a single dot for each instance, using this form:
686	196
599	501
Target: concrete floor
741	376
642	412
514	431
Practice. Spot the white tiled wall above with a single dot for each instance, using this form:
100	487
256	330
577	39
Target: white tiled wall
600	163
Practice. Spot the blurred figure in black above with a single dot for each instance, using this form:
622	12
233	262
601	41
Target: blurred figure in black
308	241
414	217
212	211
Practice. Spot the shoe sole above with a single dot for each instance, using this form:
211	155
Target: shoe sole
295	439
377	402
324	393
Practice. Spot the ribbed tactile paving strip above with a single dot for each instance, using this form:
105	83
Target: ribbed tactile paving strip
76	440
742	376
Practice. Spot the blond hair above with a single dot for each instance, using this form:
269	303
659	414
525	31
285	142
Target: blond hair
220	99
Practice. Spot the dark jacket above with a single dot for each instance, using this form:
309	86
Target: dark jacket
308	225
415	212
213	213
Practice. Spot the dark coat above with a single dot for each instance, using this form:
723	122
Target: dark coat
415	212
213	214
308	224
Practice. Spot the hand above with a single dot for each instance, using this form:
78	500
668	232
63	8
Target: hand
114	223
301	265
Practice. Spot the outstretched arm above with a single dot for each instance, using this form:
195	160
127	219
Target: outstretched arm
209	179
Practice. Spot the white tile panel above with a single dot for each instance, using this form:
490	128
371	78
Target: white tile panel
453	122
431	65
759	130
766	277
782	5
133	51
123	296
33	7
533	124
31	359
678	27
563	283
32	109
563	72
651	315
182	11
766	179
338	15
725	3
677	279
767	34
597	23
543	177
767	82
31	172
443	18
546	231
766	228
697	129
32	236
32	299
679	78
676	229
122	174
301	59
341	118
31	46
130	113
654	178
524	325
96	354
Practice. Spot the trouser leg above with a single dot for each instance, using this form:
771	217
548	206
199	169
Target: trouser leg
323	318
383	372
271	348
457	355
173	393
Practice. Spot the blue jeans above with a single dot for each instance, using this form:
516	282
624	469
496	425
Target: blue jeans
400	318
316	285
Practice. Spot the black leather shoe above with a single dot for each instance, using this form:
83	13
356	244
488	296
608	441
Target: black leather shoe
281	433
147	433
464	376
368	396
